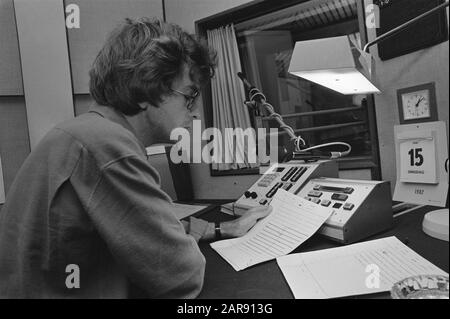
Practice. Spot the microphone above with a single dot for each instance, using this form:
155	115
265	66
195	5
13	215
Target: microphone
249	87
247	84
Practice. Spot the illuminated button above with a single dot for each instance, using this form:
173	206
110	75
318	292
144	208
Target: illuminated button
339	197
263	201
315	194
299	174
326	202
348	206
315	200
337	205
317	188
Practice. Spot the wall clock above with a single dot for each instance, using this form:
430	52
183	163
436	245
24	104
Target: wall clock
417	104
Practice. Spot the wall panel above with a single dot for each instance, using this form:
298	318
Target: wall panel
41	31
14	141
10	72
97	19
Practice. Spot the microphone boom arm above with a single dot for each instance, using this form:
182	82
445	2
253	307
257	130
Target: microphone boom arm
258	97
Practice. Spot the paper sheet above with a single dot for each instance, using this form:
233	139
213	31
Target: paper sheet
292	221
184	210
363	268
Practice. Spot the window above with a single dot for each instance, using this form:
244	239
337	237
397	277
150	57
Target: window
318	114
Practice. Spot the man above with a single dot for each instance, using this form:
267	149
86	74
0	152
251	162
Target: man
86	202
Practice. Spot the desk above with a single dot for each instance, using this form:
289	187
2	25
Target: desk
265	281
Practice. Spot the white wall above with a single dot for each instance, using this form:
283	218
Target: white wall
424	66
9	52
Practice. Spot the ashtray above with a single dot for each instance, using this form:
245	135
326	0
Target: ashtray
421	287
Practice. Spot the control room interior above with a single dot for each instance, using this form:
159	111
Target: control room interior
383	167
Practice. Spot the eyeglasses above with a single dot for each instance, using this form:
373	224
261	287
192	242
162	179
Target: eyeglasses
189	98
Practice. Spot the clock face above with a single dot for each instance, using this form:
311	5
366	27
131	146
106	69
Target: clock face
416	105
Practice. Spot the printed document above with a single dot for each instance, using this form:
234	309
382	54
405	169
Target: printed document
363	268
292	221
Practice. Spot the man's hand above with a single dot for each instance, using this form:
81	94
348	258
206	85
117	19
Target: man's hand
241	225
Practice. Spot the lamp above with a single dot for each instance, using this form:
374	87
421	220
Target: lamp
339	64
336	63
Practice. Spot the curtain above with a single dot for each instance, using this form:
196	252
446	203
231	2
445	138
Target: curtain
228	96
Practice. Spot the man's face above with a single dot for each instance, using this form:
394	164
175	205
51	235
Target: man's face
176	110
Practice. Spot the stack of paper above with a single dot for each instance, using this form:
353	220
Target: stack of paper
364	268
186	210
292	221
227	209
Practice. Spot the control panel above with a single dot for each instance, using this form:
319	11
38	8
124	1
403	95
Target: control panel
360	208
288	176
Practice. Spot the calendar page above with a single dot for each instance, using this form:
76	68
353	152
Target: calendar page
418	158
421	151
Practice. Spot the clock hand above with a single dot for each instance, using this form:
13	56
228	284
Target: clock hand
420	100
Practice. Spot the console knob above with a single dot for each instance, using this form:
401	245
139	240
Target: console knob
254	195
247	194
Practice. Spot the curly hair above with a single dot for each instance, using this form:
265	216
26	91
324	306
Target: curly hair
141	59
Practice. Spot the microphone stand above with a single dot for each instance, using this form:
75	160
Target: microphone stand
258	100
298	150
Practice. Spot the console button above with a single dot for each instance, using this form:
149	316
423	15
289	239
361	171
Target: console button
263	201
274	190
315	200
289	174
326	203
337	205
348	190
349	206
339	197
299	174
263	183
315	194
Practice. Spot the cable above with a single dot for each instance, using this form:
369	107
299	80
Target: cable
298	140
333	154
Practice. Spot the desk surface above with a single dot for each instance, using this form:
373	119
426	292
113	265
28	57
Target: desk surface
265	281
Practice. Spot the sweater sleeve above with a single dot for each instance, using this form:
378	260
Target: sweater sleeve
136	220
197	228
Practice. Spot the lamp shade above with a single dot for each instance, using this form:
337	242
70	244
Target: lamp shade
336	63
